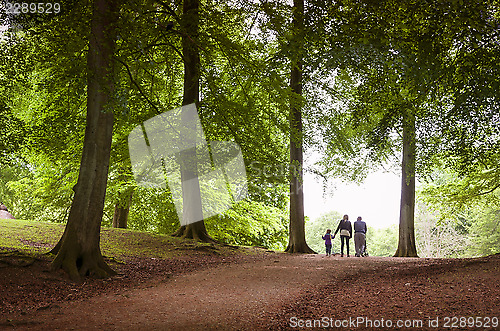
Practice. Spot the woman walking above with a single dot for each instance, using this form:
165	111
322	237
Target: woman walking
345	229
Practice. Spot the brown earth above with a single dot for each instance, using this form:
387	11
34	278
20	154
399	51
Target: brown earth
204	290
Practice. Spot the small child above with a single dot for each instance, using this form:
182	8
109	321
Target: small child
328	242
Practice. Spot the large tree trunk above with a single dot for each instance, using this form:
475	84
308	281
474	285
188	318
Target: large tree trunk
406	245
192	213
78	251
297	236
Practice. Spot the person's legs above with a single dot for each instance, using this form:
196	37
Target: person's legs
342	238
363	249
363	244
328	250
347	245
357	243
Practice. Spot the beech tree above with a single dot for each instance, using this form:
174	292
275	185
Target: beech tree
435	79
398	90
406	244
78	251
191	195
297	238
122	208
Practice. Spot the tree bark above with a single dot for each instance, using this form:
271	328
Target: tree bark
297	237
406	245
191	195
122	208
78	251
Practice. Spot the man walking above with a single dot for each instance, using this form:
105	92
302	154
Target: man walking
359	236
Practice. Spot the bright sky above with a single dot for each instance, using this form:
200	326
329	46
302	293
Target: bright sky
376	200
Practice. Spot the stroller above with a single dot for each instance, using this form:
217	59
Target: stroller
364	253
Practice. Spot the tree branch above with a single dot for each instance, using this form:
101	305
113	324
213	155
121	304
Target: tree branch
158	111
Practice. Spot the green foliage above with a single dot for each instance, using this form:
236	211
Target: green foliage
468	208
470	235
12	130
438	61
44	70
250	223
449	193
44	74
382	242
152	210
7	195
316	228
485	232
42	191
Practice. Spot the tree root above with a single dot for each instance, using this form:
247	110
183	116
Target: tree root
113	259
405	253
299	248
17	259
195	231
79	265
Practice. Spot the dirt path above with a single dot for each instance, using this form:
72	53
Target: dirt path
265	294
230	296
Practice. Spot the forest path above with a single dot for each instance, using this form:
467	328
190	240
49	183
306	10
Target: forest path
266	293
232	296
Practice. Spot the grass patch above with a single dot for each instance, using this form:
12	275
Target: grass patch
29	236
40	237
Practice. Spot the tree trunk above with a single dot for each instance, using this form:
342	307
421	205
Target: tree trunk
297	236
78	251
122	208
192	213
406	245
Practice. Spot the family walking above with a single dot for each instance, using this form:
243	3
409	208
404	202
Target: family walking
345	229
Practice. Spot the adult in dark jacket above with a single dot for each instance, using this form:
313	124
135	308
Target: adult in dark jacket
345	229
360	236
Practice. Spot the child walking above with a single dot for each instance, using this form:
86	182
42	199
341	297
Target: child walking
328	242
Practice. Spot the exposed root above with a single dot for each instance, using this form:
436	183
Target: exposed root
299	248
78	266
195	231
408	252
233	246
405	254
17	259
112	259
